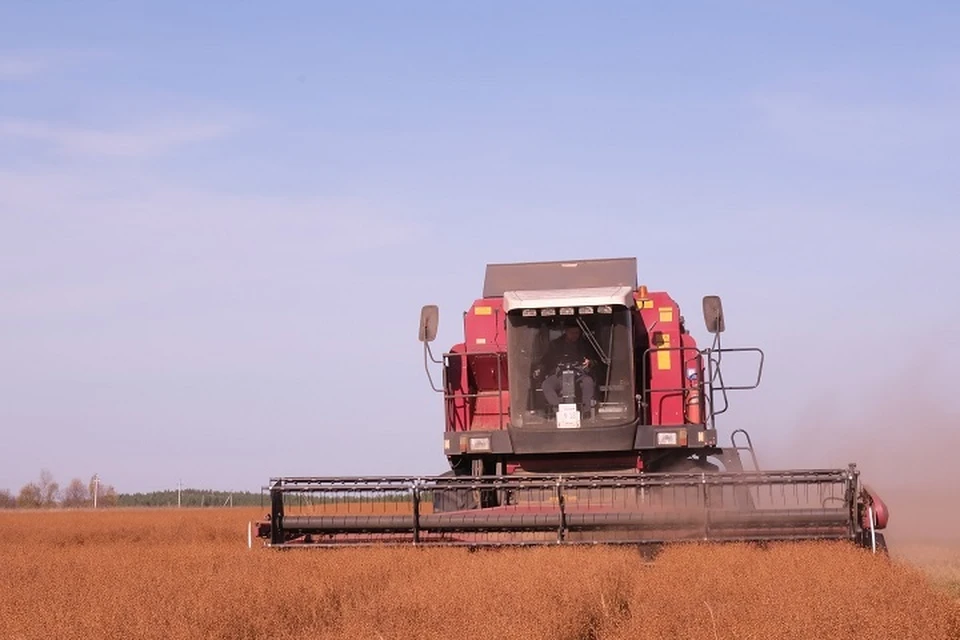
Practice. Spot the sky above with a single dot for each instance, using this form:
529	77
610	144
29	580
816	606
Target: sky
219	221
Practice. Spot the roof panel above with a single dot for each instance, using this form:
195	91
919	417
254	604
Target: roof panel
566	274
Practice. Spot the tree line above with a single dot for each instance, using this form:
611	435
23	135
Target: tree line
193	498
46	493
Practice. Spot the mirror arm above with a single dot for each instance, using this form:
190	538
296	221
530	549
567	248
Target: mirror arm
426	365
433	358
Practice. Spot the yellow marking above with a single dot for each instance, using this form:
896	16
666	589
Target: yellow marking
644	304
483	311
666	314
663	360
663	356
481	341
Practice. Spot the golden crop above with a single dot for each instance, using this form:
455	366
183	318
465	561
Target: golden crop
170	573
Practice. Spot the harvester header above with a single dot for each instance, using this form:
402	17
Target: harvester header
579	408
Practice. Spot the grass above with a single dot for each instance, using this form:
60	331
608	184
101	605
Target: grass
188	574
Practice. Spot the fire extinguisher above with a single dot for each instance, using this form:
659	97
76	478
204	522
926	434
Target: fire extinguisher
692	397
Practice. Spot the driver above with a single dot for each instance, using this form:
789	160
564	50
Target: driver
570	349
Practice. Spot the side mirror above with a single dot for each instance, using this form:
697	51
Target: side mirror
713	314
429	320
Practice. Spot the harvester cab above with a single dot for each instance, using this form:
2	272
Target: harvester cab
579	408
574	366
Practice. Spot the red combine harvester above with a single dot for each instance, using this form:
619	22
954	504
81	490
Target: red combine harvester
580	410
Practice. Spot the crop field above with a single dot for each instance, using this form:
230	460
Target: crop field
168	573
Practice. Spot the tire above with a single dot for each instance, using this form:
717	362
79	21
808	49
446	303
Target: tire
736	497
453	499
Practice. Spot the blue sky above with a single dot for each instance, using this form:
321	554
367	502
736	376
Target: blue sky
218	222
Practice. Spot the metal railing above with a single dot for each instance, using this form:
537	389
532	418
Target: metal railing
709	382
709	375
565	509
466	396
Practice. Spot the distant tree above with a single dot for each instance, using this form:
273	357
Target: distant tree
7	501
49	489
30	496
109	497
76	495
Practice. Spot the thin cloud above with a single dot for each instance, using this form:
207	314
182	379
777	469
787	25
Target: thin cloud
64	234
145	141
21	65
832	124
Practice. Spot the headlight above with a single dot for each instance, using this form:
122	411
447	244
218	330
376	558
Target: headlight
667	438
483	444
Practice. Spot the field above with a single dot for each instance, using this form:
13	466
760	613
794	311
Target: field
189	574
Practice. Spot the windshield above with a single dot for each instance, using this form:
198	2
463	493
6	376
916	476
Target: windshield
571	371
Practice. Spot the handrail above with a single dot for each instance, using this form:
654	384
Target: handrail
708	383
498	392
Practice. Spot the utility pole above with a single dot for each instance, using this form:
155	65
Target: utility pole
179	488
96	488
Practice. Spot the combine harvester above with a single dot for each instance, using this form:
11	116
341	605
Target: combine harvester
580	410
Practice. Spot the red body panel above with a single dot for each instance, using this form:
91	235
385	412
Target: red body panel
673	366
880	511
477	379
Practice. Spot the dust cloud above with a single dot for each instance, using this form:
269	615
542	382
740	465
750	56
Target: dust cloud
903	435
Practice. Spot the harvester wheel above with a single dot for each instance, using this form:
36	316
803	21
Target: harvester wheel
453	499
734	497
673	497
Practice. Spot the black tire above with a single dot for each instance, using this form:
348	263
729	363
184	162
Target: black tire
737	497
453	499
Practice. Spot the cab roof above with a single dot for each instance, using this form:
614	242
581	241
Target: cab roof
559	275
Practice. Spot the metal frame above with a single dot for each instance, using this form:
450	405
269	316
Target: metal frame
711	371
448	398
706	385
564	509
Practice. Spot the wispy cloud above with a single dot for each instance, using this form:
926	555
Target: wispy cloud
812	121
20	65
66	233
136	142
